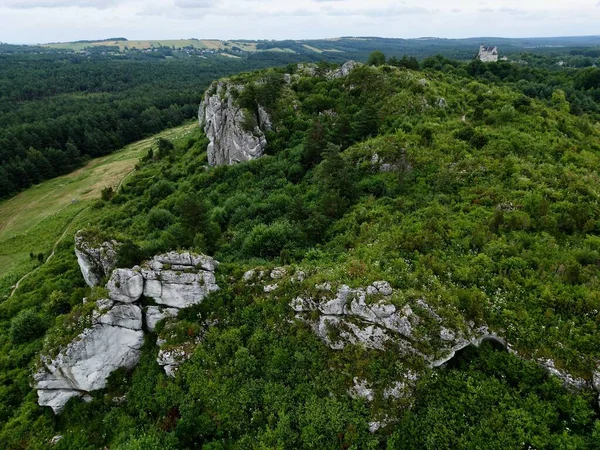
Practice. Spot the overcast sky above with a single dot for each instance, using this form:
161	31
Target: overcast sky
40	21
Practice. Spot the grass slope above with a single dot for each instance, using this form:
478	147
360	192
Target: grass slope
34	220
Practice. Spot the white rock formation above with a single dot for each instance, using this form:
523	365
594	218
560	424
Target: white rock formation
343	71
114	341
170	359
361	389
95	262
225	125
125	285
179	280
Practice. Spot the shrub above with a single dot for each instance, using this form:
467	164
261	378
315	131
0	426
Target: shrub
268	241
26	326
159	219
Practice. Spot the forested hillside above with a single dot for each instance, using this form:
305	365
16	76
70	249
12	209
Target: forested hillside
59	109
471	190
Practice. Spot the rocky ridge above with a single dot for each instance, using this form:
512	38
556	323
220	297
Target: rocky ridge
115	337
370	317
236	134
225	125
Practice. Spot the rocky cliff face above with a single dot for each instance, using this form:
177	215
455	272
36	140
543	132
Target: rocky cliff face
225	123
116	335
236	134
113	341
179	280
95	261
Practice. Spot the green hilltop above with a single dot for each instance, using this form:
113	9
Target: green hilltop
471	189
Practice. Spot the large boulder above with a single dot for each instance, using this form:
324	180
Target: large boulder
179	280
235	134
125	285
113	341
96	259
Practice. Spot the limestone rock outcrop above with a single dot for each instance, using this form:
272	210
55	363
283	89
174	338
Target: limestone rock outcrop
369	317
235	135
125	285
155	314
114	336
343	71
96	261
179	280
114	341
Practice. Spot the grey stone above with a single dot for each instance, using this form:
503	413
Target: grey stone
95	262
125	286
115	340
155	314
224	122
179	280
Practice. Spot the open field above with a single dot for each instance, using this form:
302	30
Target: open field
35	219
209	44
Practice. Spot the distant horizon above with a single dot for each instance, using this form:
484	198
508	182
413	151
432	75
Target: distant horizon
111	38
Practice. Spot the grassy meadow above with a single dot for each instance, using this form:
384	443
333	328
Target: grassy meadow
34	220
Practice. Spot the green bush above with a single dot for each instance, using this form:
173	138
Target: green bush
268	241
26	326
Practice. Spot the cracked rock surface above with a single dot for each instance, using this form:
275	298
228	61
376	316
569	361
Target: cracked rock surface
225	123
115	337
114	341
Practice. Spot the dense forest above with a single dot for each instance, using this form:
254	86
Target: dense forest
471	187
58	109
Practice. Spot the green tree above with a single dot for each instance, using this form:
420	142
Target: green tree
376	58
26	326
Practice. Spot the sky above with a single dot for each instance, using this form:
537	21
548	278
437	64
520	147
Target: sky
42	21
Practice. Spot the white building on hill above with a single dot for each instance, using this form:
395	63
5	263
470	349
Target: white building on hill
488	54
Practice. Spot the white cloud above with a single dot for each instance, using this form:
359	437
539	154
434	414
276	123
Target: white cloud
61	20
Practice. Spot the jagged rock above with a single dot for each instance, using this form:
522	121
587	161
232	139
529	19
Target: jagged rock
123	316
171	359
226	126
95	261
125	285
278	273
343	71
155	314
477	337
55	440
361	389
567	378
298	277
307	69
354	316
447	335
249	275
179	280
271	288
114	341
323	287
401	389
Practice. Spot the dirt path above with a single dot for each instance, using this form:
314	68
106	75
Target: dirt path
53	251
